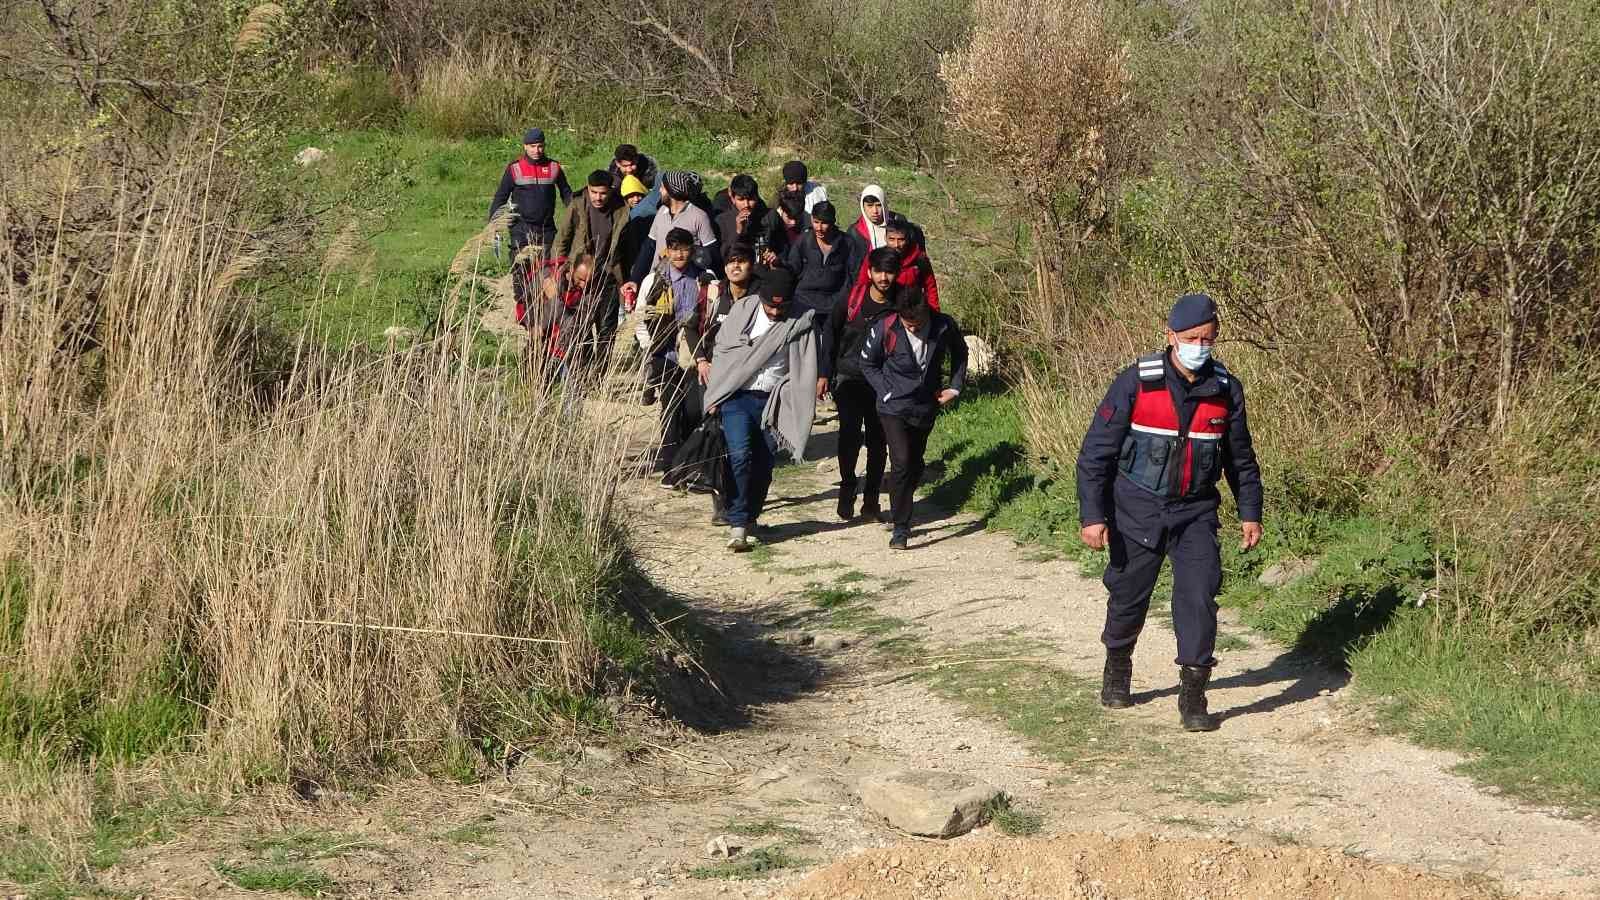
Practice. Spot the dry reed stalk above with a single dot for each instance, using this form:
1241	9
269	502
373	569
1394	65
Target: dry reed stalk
172	530
258	26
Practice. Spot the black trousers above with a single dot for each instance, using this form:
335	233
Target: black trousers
907	441
859	426
1196	577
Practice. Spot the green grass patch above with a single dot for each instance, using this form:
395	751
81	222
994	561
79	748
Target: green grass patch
1532	735
478	833
1056	712
1214	796
306	844
757	863
1227	642
287	878
766	827
1012	819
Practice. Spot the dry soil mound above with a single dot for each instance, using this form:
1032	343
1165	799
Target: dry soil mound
1093	866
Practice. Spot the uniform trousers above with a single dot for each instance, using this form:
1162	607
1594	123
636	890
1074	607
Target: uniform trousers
1196	577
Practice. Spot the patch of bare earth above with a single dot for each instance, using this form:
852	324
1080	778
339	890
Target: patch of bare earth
1094	867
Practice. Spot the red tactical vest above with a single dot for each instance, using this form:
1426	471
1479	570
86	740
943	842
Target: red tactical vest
526	173
1159	453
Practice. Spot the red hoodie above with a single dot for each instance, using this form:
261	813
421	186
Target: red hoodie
915	269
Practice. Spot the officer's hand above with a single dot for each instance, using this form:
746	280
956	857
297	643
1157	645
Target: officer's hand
1096	536
1252	534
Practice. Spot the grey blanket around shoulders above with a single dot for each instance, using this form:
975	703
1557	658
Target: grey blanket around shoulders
792	406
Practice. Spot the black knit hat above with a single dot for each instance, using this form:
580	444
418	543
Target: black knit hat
794	172
1192	310
776	283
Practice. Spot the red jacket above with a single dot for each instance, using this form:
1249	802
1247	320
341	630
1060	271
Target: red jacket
915	270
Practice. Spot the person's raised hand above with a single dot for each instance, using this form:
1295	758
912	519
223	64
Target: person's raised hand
769	259
630	295
1095	536
1250	534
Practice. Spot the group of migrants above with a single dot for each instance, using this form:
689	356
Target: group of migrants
752	315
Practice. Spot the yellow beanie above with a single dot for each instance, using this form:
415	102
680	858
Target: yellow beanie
632	185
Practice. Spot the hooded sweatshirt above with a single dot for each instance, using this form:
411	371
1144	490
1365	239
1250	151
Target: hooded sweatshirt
872	236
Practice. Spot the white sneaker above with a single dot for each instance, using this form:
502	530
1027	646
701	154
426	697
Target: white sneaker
738	541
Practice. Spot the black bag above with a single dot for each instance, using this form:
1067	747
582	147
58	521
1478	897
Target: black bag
701	463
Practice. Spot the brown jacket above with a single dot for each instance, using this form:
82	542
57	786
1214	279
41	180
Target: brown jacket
573	237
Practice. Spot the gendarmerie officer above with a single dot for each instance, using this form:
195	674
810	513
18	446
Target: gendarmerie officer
1171	425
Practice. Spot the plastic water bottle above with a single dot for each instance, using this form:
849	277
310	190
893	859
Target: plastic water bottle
497	248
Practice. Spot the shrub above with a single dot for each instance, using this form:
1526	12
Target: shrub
1041	92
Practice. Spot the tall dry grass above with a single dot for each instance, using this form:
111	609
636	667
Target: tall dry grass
223	541
490	88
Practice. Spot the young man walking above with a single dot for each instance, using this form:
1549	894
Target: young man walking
844	335
531	184
679	212
594	226
797	183
763	377
738	283
1169	427
904	360
821	261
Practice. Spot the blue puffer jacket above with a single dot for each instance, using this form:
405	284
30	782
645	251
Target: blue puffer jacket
906	387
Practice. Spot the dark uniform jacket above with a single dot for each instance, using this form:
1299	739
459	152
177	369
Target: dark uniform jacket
531	186
1157	446
904	386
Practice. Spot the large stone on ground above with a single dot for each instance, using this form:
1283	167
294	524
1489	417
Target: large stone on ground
1281	573
923	802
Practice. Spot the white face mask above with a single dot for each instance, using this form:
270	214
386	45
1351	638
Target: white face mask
1193	356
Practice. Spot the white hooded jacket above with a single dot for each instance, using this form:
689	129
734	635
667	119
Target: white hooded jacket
874	236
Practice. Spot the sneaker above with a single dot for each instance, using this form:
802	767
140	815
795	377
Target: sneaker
738	540
897	541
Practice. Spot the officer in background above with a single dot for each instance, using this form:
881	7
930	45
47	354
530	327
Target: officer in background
1171	425
532	183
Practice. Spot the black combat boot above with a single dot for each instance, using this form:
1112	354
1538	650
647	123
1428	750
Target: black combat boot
1192	699
1116	683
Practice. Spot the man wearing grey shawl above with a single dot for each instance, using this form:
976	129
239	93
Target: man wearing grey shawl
763	376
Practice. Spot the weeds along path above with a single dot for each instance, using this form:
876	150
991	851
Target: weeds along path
972	654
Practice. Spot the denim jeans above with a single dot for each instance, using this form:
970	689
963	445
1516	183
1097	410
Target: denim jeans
749	457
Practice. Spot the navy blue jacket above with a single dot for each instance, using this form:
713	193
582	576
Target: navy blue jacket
1106	495
903	387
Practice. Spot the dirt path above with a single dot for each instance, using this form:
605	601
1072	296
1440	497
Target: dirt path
845	661
830	620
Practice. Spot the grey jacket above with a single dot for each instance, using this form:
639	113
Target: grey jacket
735	360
